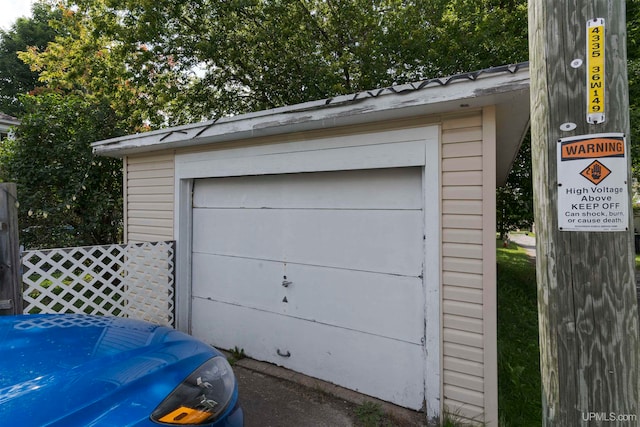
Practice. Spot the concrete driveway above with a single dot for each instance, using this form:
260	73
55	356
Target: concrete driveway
276	397
525	241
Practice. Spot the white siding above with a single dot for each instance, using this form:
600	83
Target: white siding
463	253
149	186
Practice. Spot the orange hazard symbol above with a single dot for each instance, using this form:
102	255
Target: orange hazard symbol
596	172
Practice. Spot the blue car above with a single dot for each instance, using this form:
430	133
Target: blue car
76	370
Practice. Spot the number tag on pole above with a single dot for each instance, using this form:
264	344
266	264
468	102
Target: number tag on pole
595	71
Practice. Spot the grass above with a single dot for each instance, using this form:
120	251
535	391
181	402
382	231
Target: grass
370	414
453	420
519	392
235	355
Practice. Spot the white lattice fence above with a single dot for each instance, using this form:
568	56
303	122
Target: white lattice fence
134	280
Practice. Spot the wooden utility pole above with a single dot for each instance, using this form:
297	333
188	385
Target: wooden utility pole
587	298
10	281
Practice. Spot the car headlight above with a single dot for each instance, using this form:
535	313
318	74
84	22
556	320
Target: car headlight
201	398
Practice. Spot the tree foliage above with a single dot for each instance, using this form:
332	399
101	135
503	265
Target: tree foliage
83	60
633	59
66	195
15	76
196	59
514	200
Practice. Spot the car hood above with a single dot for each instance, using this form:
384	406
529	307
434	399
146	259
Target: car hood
64	369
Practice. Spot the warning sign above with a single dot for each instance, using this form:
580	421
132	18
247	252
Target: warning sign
592	183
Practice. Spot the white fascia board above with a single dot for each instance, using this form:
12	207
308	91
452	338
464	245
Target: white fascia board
366	107
6	124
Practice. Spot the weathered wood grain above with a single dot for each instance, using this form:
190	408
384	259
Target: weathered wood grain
10	284
586	285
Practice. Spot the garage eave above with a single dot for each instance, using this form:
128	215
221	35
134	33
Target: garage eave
507	86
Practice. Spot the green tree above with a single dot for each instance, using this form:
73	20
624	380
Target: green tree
633	58
196	59
67	196
15	76
514	200
84	60
476	34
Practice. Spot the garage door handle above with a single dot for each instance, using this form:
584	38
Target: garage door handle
281	354
286	283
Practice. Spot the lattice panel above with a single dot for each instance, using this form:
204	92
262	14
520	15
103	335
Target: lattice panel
149	275
134	280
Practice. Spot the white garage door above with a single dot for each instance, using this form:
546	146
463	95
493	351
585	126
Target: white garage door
317	272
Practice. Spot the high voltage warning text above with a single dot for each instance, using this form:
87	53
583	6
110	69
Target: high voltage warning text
592	183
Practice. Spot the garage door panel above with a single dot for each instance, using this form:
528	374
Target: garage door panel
380	241
254	283
386	189
350	245
353	359
390	306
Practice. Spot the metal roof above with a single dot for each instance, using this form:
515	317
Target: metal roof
506	86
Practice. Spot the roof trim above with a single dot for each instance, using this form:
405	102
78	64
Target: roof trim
7	120
490	86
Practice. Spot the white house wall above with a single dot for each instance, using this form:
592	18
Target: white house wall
468	380
468	256
149	198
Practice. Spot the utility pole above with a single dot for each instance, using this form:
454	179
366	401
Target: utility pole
10	281
587	302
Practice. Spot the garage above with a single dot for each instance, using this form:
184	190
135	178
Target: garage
317	253
322	273
350	239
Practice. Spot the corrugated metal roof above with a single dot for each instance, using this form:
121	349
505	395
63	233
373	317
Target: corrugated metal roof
437	95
